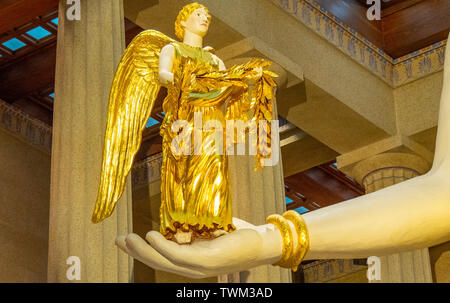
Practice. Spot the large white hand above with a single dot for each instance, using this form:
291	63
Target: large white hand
248	247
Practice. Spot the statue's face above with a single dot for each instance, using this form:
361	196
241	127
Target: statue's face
198	22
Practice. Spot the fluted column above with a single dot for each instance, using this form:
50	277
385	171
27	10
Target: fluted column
382	171
88	52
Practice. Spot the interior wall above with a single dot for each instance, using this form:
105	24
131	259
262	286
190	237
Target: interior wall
24	211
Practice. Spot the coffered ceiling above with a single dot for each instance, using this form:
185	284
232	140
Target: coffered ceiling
28	41
405	26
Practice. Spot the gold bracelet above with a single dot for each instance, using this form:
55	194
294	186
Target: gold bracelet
286	233
302	238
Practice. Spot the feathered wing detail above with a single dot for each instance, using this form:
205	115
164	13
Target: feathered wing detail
133	94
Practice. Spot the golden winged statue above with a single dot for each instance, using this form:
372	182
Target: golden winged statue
195	187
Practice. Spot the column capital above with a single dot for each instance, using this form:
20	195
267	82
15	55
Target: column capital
393	152
410	164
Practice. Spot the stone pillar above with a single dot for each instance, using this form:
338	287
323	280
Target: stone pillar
381	171
88	52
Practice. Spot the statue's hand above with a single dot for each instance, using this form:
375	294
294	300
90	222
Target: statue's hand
255	76
248	247
259	72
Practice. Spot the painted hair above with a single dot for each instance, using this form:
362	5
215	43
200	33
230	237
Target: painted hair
184	15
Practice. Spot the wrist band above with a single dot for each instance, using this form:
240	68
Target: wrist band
291	258
286	234
302	238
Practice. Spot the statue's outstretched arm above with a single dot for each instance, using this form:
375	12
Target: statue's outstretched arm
410	215
389	221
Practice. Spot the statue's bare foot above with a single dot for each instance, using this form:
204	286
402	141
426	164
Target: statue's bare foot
183	237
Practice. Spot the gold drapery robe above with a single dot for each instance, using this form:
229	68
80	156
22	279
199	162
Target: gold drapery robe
195	188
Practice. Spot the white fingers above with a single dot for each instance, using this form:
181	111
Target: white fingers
136	247
228	252
120	242
171	250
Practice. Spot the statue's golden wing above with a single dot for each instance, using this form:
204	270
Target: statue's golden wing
133	94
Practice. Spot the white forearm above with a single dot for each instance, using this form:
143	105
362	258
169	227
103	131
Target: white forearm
392	220
165	77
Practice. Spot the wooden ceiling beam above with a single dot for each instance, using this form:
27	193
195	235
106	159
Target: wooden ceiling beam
19	12
319	189
386	5
27	80
418	26
406	25
30	74
398	7
41	101
354	14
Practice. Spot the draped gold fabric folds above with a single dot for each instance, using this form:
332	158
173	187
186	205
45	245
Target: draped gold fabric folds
195	182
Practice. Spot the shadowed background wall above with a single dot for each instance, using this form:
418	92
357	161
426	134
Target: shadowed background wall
24	209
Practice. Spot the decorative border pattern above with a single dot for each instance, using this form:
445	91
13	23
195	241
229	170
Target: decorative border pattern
395	72
326	270
147	171
21	125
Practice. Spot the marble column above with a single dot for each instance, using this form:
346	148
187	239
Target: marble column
88	52
382	171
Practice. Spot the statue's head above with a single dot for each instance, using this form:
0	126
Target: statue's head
193	17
